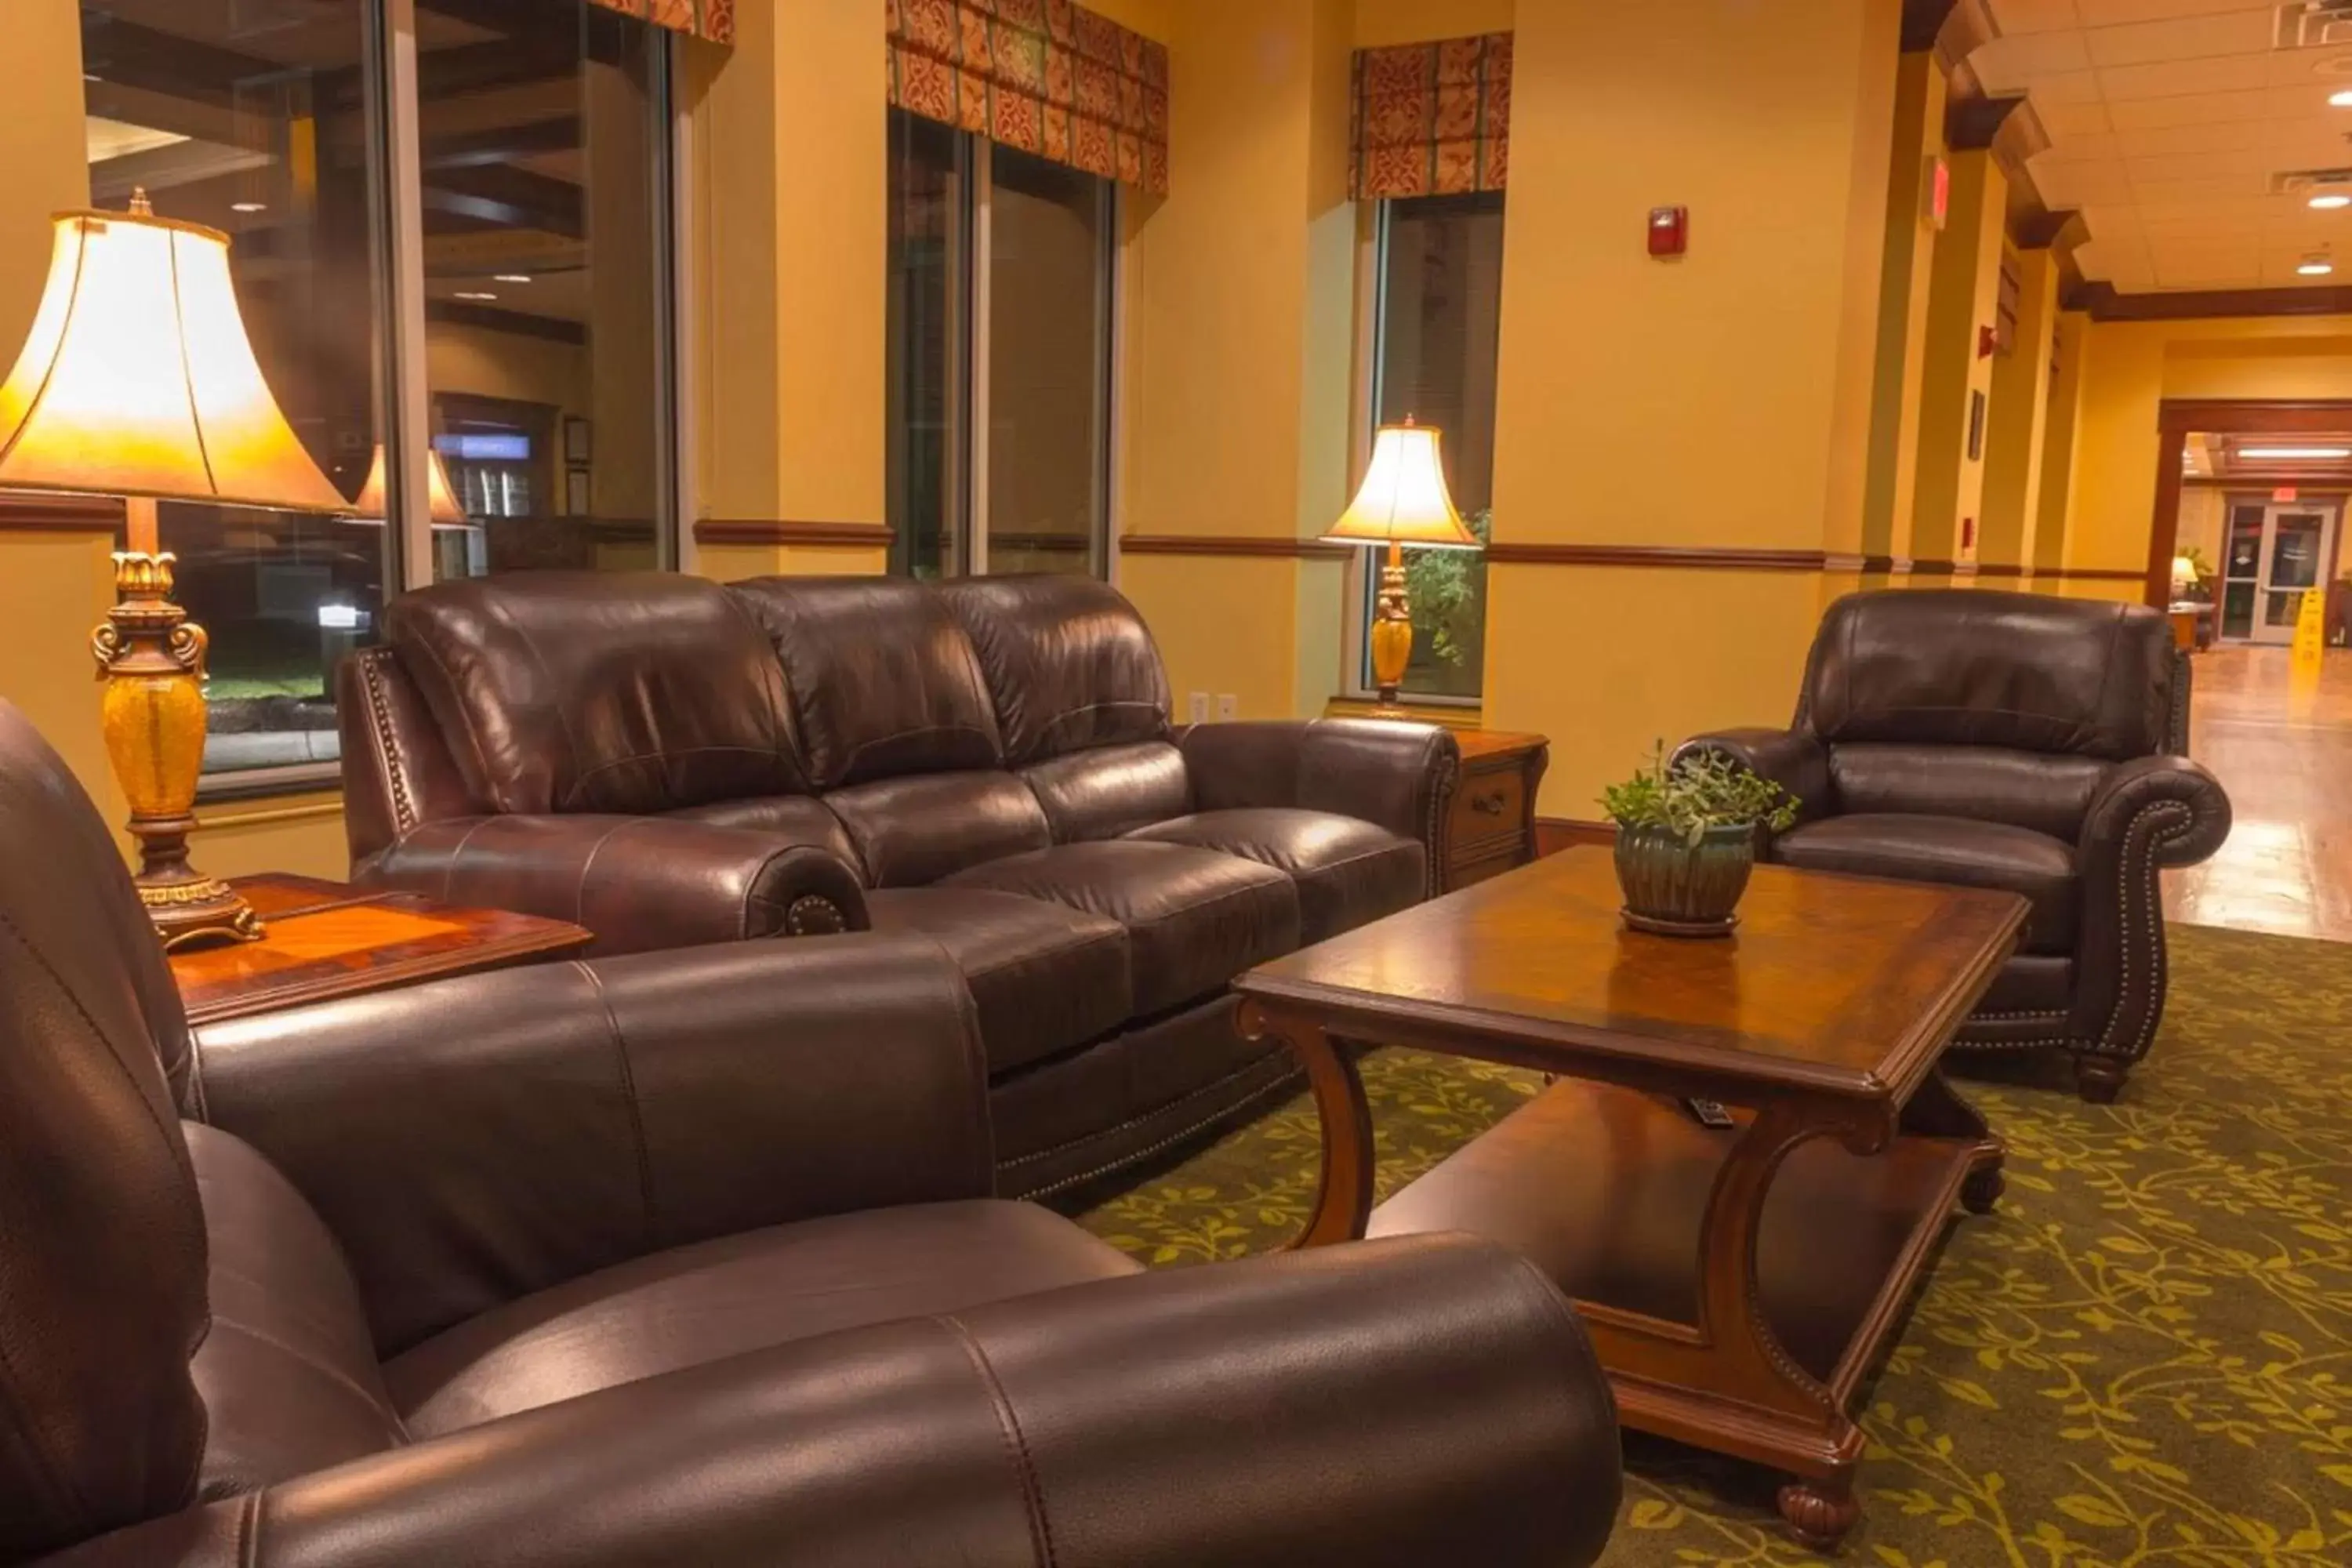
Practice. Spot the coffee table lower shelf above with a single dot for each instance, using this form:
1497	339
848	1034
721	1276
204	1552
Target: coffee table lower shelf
1642	1215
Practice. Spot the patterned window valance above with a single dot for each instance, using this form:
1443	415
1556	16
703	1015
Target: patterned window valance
1433	118
712	19
1047	77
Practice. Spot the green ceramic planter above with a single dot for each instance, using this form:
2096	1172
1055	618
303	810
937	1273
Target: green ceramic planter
1675	888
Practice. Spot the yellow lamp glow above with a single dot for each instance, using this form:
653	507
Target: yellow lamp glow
440	499
2184	571
138	381
1403	501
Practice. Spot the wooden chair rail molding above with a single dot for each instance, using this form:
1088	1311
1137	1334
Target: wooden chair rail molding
23	512
1238	545
785	530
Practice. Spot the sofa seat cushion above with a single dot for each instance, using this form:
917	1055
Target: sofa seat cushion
694	1305
1951	849
1194	917
1044	977
1348	871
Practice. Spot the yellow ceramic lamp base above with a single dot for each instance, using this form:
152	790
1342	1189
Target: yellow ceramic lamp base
1392	630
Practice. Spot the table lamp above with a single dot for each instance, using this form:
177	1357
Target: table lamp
1403	501
441	500
2184	575
138	382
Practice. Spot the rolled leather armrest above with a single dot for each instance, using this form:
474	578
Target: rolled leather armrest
1389	1404
477	1138
1792	759
2167	808
640	883
1399	775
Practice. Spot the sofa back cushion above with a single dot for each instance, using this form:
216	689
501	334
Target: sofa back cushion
1107	792
629	692
883	681
2046	793
1961	666
1068	662
912	831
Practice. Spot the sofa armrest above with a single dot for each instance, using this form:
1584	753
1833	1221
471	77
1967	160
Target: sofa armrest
1399	775
640	883
477	1138
1389	1404
2167	810
1792	759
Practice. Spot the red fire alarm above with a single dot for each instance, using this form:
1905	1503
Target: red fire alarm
1669	231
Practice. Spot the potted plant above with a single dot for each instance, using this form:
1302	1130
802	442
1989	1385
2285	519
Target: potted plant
1686	840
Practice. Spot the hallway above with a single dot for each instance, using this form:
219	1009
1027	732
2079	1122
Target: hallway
2279	740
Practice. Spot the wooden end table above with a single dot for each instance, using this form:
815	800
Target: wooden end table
1739	1284
325	941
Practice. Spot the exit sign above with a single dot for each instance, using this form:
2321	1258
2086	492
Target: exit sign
2284	495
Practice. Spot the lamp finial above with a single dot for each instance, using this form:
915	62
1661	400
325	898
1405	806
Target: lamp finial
139	206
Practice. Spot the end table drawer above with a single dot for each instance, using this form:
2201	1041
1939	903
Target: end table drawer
1489	806
1490	826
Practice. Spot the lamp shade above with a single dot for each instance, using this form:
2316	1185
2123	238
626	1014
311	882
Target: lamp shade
1404	498
2184	570
138	379
443	501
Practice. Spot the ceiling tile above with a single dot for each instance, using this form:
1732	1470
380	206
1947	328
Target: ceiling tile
2080	184
2069	119
2124	12
2216	165
2171	78
2193	140
2183	38
2006	64
2035	16
2190	109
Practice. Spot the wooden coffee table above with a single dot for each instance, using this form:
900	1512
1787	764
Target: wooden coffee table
1738	1283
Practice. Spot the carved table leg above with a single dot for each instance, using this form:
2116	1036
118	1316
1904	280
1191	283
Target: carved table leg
1937	1110
1820	1512
1343	1198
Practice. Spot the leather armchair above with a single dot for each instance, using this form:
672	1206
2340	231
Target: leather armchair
2017	741
675	1258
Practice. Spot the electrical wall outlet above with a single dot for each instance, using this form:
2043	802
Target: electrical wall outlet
1199	707
1229	708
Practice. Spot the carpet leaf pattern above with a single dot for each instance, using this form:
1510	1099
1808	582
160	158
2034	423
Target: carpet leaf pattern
2138	1359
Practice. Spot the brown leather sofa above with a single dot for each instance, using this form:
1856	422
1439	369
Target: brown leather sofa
680	1258
2009	740
988	764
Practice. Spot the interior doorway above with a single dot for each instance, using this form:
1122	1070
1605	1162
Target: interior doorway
2223	465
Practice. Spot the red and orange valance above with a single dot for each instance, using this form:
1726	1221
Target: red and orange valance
1047	77
1432	120
712	19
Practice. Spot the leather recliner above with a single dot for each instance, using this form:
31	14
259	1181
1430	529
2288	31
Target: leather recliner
678	1258
988	763
2009	740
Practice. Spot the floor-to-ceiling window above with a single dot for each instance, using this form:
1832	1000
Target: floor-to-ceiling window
1000	334
525	161
1437	326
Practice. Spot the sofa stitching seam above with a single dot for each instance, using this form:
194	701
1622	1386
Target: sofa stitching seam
1016	1442
1173	1138
629	1094
403	811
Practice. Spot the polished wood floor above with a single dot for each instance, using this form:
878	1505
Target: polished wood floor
2279	736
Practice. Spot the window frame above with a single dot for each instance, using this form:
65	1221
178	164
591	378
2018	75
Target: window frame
388	65
1373	222
968	448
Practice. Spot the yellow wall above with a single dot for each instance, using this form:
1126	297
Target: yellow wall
2129	367
1239	336
1626	382
1906	271
2019	417
1960	305
1379	24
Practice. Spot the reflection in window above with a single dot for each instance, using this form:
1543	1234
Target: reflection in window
543	162
257	124
1031	241
1439	329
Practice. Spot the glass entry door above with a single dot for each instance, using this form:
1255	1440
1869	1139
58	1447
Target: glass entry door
2274	555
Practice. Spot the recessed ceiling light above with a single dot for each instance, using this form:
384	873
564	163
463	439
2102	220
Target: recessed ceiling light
2295	454
2316	266
2340	99
2328	201
474	294
525	277
248	207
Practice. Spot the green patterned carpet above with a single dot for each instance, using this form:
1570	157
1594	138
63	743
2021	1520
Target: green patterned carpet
2135	1362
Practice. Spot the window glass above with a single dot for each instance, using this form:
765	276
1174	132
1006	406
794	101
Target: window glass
1049	360
254	119
543	162
1439	333
929	225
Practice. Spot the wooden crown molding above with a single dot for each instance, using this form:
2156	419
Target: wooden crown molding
1233	544
27	512
2253	416
2107	304
751	531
